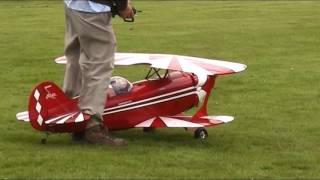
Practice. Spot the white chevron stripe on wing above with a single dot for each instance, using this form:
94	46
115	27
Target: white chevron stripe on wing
224	119
65	119
146	123
171	122
80	118
56	118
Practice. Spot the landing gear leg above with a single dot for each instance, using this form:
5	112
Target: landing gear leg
148	130
44	138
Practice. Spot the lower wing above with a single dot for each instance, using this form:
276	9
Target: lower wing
184	121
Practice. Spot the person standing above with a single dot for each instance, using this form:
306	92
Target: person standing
90	46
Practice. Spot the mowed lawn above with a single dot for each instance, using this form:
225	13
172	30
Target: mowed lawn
275	101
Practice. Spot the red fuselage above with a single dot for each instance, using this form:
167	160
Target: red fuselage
151	98
50	110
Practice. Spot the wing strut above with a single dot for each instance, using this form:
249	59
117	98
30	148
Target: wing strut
155	71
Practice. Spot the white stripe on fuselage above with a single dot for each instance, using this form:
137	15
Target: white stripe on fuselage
151	103
149	99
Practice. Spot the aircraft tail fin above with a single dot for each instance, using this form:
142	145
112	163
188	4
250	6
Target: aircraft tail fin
46	102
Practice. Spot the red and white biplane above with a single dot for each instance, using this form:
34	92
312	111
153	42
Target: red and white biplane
172	85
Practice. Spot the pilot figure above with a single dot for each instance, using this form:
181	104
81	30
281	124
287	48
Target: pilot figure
120	85
89	47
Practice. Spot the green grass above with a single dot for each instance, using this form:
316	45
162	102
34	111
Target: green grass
275	101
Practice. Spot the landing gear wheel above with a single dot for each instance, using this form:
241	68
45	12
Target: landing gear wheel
201	133
43	141
44	138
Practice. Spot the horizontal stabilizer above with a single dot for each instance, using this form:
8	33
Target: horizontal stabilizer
23	116
49	109
75	117
63	119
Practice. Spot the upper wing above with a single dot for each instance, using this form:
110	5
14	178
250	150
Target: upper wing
180	63
189	64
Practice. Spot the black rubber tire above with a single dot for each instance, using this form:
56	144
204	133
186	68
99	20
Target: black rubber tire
78	136
43	141
201	133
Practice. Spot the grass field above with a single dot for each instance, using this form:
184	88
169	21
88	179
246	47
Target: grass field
275	101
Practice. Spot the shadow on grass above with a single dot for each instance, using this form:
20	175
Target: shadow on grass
160	138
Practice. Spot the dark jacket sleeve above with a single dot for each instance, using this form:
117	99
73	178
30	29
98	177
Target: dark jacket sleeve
121	4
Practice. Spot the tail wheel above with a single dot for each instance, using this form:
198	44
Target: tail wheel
201	133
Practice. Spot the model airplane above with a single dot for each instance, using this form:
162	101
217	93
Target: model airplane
172	85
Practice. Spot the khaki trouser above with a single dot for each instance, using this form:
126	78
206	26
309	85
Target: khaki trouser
89	47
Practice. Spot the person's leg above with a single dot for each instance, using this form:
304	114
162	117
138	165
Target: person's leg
96	60
72	78
97	43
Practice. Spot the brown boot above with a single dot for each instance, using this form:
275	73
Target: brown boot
78	136
96	134
116	141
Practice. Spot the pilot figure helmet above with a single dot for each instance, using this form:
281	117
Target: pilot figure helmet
120	85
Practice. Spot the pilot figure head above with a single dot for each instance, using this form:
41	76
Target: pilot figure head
120	85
